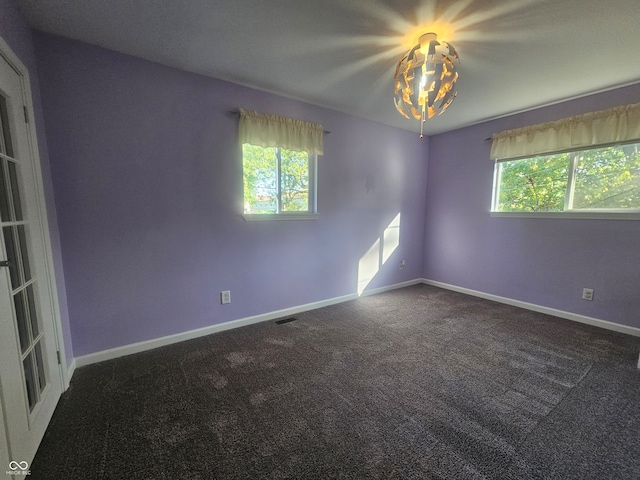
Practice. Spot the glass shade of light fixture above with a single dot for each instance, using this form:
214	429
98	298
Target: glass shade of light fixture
425	79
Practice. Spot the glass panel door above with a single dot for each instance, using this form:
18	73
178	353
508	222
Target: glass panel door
30	374
15	231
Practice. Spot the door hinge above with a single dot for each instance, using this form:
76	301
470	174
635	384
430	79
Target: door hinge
58	355
26	114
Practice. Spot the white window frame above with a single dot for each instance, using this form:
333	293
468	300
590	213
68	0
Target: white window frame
568	212
311	214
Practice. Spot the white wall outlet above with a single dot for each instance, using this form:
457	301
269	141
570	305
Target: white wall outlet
587	293
402	264
225	297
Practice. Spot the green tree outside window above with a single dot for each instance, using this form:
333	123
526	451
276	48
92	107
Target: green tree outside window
275	180
595	179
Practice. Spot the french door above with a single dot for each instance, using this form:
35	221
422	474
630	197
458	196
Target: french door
30	376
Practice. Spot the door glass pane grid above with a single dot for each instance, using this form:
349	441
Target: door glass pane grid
3	128
30	337
33	313
40	371
12	256
6	146
22	321
27	316
15	191
4	191
15	236
16	246
30	383
34	375
24	254
10	201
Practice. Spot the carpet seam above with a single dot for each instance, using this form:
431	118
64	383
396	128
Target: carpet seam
555	407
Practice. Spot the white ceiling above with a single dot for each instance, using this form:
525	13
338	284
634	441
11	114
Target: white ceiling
514	54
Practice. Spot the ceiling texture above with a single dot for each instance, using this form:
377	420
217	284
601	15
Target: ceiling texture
515	55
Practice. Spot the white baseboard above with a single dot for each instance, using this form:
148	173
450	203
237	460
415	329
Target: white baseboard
616	327
200	332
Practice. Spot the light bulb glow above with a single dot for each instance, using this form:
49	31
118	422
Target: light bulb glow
425	79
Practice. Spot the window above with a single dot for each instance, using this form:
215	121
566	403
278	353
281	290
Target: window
277	180
588	164
279	165
596	179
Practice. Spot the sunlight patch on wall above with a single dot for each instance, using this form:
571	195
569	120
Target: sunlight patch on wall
391	239
368	266
378	254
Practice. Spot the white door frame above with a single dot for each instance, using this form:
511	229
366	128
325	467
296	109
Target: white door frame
65	373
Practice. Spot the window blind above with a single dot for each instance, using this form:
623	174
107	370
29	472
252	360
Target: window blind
606	127
275	131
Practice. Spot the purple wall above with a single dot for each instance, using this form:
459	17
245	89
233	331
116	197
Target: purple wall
542	261
146	171
17	34
147	175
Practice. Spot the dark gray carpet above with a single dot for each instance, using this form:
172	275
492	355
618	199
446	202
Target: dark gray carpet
418	383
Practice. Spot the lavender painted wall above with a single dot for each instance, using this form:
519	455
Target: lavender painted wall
147	175
17	34
542	261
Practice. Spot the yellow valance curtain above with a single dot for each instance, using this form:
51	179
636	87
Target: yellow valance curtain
274	131
605	127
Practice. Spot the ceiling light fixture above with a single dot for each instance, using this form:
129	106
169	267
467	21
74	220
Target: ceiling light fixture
425	79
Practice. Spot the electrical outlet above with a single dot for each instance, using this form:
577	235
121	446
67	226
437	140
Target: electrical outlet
225	297
402	264
587	294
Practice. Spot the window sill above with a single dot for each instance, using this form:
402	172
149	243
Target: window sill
585	215
262	217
